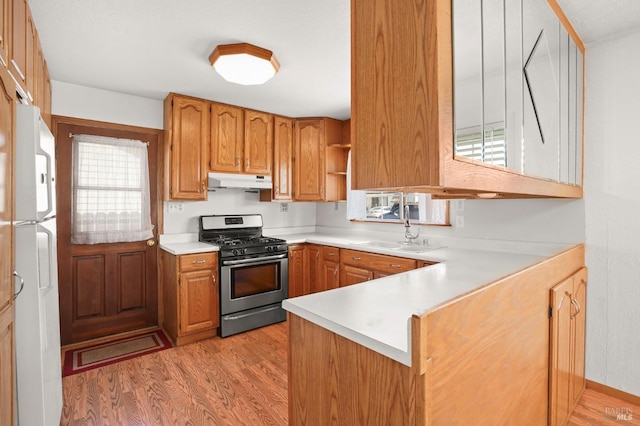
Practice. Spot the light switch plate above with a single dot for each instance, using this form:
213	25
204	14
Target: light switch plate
174	207
459	221
459	205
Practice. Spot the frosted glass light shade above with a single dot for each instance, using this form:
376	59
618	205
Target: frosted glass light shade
244	63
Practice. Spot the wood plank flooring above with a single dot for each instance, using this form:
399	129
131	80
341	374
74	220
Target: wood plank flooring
239	380
234	381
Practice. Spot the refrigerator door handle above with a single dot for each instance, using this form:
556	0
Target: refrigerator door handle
50	246
49	182
15	274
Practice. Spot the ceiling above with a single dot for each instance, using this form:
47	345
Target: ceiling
152	47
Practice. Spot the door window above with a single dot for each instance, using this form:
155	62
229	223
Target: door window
110	188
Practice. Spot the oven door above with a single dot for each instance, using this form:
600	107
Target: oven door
251	283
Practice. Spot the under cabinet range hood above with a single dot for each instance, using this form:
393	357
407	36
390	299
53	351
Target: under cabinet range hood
238	181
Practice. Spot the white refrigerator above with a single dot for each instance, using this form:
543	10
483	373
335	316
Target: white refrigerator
37	322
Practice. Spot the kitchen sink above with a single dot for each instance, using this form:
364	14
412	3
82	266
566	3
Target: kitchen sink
379	244
413	248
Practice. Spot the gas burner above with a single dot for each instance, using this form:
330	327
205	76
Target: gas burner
239	236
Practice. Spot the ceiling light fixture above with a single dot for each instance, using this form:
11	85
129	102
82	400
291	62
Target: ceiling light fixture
244	63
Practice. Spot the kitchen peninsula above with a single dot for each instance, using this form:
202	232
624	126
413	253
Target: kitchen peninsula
465	340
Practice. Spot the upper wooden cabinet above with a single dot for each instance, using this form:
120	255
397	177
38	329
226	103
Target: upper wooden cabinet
405	125
5	28
21	57
313	177
241	140
258	142
186	125
227	132
282	161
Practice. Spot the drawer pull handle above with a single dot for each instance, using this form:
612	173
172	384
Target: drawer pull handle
198	262
331	254
393	265
356	258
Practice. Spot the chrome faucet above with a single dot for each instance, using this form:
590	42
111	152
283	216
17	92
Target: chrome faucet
408	236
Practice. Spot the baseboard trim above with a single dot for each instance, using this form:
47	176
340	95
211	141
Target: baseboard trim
624	396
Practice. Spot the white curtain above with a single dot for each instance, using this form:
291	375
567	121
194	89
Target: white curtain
110	190
356	200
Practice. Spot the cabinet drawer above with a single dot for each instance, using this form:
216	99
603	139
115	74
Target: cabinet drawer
376	262
193	262
331	253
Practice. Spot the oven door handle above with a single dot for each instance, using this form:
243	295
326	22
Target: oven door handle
253	260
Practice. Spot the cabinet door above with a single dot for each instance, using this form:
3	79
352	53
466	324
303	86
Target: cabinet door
6	365
282	158
578	318
309	162
188	144
331	274
5	19
560	350
198	301
351	275
296	271
31	57
227	126
258	142
18	50
314	269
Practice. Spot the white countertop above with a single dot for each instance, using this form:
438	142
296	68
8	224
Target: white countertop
185	244
377	314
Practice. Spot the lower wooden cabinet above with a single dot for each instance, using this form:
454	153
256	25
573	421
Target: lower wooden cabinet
567	346
358	266
296	270
191	296
313	268
7	365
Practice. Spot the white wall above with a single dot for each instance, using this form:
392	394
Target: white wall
233	201
612	203
71	100
551	221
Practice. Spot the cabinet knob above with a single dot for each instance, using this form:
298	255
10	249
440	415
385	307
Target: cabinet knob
237	161
246	163
151	243
213	278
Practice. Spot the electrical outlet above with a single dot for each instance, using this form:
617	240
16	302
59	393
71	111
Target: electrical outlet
459	205
459	221
284	207
174	207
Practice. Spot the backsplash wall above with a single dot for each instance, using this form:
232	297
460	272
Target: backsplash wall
234	201
544	220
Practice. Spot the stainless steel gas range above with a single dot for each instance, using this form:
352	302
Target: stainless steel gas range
253	271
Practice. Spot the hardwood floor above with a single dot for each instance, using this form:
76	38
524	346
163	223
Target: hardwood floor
240	380
596	408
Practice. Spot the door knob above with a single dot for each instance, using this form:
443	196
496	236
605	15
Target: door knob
151	243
